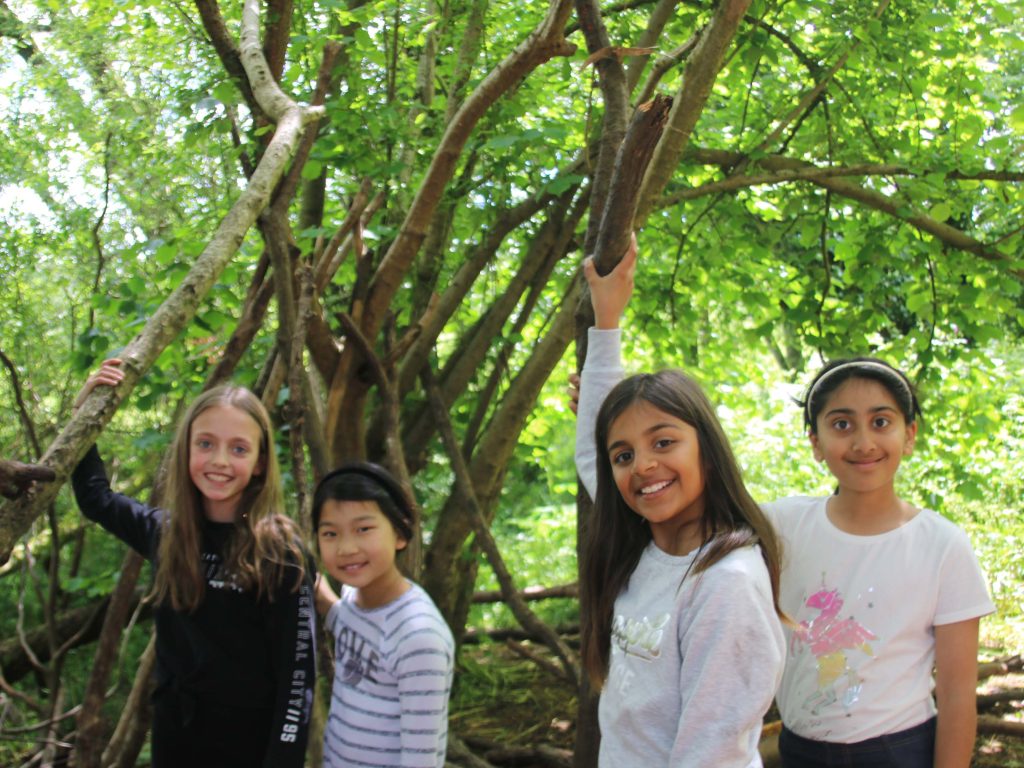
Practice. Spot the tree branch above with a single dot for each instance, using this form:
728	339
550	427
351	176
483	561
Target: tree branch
180	307
702	69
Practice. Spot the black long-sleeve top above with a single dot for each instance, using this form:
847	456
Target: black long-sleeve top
234	650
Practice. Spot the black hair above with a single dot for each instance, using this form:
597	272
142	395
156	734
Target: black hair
838	372
364	481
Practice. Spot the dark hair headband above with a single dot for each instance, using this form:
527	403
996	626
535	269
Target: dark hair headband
871	364
383	479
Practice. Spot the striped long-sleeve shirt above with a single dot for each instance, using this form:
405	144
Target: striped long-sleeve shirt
392	677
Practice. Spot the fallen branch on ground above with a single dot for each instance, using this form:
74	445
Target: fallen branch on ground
530	593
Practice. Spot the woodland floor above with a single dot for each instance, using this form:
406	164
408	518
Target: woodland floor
504	700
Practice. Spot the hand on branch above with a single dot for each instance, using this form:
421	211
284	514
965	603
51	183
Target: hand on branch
610	294
108	374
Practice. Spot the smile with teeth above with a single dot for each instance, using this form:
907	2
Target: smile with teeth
654	487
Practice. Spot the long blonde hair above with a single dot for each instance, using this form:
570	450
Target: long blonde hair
264	543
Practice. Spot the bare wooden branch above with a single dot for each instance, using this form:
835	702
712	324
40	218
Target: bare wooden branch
611	79
631	162
213	23
91	727
989	725
81	624
180	307
531	593
16	478
464	485
542	755
828	178
130	733
460	754
1003	666
702	69
989	700
543	44
473	635
527	653
23	414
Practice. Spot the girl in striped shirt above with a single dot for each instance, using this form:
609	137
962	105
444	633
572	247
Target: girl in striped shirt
394	654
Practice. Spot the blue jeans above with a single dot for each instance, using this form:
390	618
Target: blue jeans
912	748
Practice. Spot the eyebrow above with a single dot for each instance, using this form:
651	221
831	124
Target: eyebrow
360	519
874	409
649	430
235	439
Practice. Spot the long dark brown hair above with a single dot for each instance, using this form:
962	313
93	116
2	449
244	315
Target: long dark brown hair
265	543
617	535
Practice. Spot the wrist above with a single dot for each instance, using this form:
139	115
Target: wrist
606	323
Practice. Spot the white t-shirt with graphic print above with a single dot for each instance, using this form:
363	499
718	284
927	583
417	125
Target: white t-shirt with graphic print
860	661
393	670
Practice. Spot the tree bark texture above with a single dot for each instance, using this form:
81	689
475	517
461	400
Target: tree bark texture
702	69
132	727
177	311
92	730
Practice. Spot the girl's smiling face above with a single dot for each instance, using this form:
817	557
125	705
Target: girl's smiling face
862	435
358	545
223	456
656	464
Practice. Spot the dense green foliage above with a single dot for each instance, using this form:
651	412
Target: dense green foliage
883	216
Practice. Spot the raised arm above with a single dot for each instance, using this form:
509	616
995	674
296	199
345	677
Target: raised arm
602	369
135	523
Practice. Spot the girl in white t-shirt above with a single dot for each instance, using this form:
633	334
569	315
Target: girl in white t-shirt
882	592
879	590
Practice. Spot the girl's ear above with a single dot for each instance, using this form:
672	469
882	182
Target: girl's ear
260	466
815	446
910	438
401	544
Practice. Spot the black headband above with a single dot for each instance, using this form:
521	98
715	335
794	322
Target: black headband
381	478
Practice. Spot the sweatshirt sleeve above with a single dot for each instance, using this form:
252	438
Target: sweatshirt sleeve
424	672
133	522
293	656
602	370
733	652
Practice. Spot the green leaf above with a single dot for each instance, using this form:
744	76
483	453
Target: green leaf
1017	118
503	142
312	169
